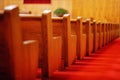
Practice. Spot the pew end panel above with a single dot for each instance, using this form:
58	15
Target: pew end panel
101	40
61	27
83	48
31	55
4	51
89	36
91	43
48	47
39	28
19	54
13	40
57	56
81	37
102	35
77	28
15	52
69	42
75	31
98	33
107	33
95	36
72	52
84	38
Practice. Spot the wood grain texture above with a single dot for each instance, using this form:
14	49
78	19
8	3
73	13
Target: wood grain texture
103	10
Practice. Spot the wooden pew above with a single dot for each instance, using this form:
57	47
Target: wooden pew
76	28
95	36
117	30
13	51
40	28
62	27
99	34
113	31
109	33
102	34
89	36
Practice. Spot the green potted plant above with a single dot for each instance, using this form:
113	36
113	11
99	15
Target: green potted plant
60	12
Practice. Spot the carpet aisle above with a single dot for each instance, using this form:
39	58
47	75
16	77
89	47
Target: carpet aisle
102	65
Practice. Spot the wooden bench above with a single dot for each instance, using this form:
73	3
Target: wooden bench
89	36
104	34
40	28
110	32
14	53
113	31
29	40
62	27
117	30
107	31
99	33
77	29
96	37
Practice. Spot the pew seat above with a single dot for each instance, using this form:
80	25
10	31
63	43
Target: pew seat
32	27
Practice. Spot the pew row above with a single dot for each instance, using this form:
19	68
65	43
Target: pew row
88	30
28	41
50	46
62	27
99	33
15	53
95	36
76	28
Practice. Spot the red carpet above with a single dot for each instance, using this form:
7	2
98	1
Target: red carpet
102	65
